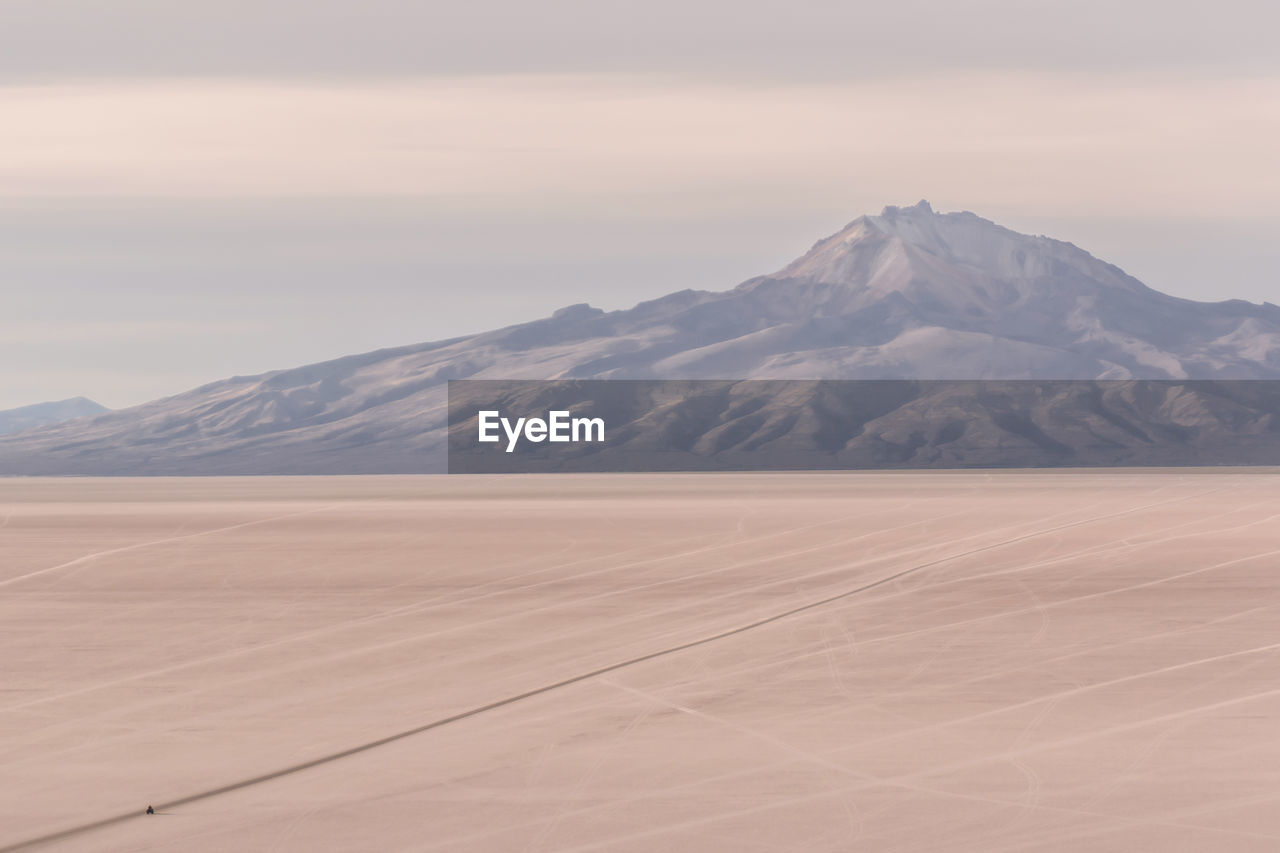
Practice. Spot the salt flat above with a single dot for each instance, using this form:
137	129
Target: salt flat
984	661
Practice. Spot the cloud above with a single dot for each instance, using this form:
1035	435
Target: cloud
777	39
1068	142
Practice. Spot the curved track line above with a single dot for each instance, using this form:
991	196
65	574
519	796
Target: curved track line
537	691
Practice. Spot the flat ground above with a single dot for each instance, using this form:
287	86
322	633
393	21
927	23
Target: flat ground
1020	660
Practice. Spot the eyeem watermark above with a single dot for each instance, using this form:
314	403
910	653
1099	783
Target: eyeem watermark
557	426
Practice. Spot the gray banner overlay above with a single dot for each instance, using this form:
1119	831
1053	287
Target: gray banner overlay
757	425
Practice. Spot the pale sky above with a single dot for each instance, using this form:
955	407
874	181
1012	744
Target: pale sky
194	190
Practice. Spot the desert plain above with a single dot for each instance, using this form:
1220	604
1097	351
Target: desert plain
910	661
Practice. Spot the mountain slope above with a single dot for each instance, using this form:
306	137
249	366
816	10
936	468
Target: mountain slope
42	414
909	293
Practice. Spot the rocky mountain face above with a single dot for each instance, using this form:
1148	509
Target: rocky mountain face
43	414
907	294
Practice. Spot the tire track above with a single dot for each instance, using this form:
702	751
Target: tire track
87	558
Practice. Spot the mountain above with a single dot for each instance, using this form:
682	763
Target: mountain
910	293
42	414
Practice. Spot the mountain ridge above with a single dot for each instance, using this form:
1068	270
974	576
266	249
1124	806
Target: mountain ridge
36	415
908	294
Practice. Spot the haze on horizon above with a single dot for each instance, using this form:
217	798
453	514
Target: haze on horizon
197	190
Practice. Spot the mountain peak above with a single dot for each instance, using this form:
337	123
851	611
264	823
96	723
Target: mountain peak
918	243
892	211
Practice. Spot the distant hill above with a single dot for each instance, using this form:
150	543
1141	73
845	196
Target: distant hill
43	414
906	294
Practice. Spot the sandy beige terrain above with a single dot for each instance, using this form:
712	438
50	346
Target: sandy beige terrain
906	661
